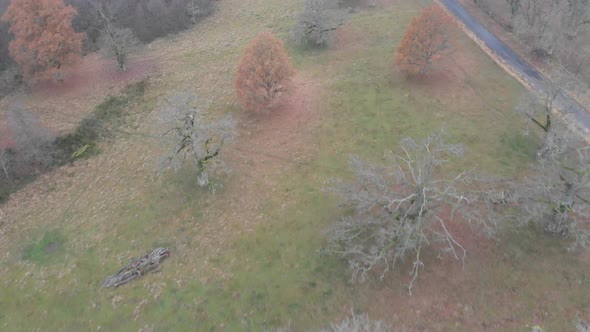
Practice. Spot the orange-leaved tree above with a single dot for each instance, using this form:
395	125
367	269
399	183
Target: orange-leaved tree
425	41
264	73
44	39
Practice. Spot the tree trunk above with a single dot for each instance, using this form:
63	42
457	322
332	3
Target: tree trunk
416	208
121	61
559	221
3	164
202	175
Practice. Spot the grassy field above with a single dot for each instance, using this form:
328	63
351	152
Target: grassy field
247	257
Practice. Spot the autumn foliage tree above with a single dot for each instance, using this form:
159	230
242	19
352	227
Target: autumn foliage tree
264	73
425	41
44	39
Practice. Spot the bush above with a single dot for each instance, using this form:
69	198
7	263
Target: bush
264	73
314	25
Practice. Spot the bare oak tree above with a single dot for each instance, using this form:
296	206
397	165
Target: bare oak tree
315	24
194	136
554	196
558	196
544	112
114	39
396	209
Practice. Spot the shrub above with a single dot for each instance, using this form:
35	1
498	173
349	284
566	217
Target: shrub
264	73
314	25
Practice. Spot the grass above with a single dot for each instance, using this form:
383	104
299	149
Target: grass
106	119
103	122
248	257
49	246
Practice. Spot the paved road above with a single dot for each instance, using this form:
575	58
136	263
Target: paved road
519	65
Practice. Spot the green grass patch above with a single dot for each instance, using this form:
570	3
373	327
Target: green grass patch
46	249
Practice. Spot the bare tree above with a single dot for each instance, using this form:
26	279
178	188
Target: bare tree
396	209
581	325
116	40
315	25
558	197
4	160
33	143
514	6
532	109
537	22
553	29
577	17
358	323
194	136
554	196
544	112
355	323
198	8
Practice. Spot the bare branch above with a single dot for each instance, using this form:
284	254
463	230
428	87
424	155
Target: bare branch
315	24
398	208
194	137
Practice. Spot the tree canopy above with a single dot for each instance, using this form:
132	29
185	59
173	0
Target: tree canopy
44	38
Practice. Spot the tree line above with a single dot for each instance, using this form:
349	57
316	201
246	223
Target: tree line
555	29
59	32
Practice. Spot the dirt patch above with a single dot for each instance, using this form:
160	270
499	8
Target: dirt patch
61	106
283	131
449	75
93	74
269	144
449	78
346	37
447	293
